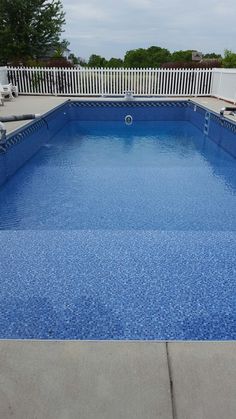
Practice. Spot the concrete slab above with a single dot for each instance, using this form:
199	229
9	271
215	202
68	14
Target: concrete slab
204	379
78	379
28	104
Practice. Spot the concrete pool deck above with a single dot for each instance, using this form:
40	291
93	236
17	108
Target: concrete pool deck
120	379
103	380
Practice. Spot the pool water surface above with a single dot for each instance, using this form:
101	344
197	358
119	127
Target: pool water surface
149	176
120	232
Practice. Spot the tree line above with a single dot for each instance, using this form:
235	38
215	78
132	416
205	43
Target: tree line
153	57
31	34
156	57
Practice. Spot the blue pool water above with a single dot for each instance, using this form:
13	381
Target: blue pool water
120	232
149	176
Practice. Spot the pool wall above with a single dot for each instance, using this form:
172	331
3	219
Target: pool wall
23	143
116	111
219	130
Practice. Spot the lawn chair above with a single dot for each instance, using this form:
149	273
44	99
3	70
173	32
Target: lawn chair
14	89
6	86
6	91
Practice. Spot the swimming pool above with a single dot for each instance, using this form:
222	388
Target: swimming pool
115	231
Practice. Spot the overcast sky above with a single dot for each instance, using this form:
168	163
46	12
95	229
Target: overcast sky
111	27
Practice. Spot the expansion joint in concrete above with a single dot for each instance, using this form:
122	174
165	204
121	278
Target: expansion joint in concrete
171	383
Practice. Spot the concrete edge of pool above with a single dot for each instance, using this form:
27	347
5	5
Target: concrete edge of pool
104	379
88	379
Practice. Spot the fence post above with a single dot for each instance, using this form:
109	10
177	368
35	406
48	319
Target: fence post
219	85
196	82
149	81
102	81
211	77
55	81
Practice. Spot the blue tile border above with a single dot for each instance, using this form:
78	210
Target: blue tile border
128	104
229	125
17	138
224	123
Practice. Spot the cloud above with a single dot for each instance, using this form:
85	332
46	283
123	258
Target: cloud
85	12
140	4
111	27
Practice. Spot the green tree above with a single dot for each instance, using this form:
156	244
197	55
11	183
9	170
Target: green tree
212	56
229	60
153	56
115	63
97	61
157	56
182	55
29	28
136	58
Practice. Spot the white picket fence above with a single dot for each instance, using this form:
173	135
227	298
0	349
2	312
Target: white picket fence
111	82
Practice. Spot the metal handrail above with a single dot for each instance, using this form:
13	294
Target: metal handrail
231	109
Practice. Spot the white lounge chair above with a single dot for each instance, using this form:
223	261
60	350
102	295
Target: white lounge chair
6	86
14	90
6	91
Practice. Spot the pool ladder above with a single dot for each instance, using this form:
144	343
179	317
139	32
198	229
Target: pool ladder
206	123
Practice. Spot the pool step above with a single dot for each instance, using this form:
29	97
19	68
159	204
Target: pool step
206	123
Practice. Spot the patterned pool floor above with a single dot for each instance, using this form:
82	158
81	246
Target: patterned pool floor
118	285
